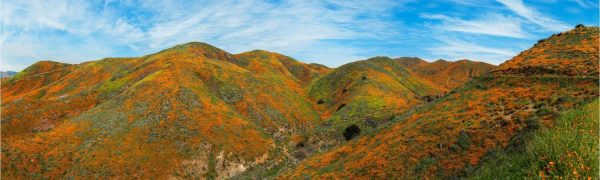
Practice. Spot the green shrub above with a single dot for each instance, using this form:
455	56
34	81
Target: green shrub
543	112
351	131
464	141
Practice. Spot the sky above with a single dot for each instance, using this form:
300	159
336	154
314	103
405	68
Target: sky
313	31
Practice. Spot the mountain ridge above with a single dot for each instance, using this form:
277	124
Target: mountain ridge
108	99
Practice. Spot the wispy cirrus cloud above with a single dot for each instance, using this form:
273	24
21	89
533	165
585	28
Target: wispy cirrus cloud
489	24
511	22
459	49
289	27
532	15
324	31
586	3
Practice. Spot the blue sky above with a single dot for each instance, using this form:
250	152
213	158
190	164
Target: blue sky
326	32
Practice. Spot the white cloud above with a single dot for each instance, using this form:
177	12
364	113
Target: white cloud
73	30
237	26
288	27
23	50
490	24
532	15
454	49
586	4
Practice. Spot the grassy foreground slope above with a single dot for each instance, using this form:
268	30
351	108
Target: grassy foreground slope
453	135
568	149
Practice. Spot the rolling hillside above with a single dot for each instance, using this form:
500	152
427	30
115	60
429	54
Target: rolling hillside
187	111
366	93
192	110
453	135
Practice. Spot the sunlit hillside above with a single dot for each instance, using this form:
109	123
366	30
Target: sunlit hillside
192	110
451	136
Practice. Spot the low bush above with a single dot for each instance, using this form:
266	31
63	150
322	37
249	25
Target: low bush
351	132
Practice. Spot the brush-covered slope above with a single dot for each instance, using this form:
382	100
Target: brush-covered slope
341	93
260	61
451	136
189	111
565	53
448	75
46	93
365	94
35	76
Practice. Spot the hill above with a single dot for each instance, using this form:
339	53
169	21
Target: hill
188	111
453	135
192	110
363	93
446	74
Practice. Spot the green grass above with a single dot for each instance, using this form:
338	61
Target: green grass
112	86
569	149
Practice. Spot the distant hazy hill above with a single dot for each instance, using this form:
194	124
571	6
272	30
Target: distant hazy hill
446	74
4	74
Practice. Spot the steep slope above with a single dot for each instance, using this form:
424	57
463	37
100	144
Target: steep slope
379	77
565	53
452	135
280	65
188	111
364	94
446	74
40	98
